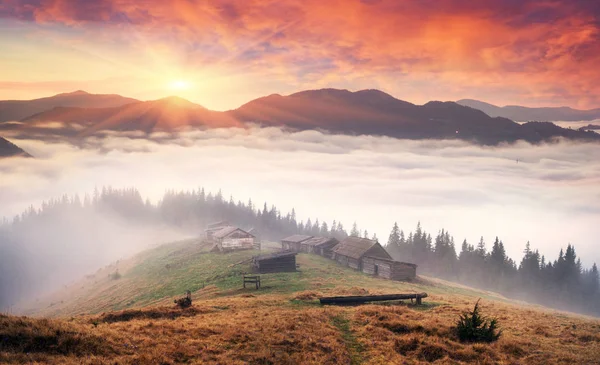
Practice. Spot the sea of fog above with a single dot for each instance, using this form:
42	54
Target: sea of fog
547	194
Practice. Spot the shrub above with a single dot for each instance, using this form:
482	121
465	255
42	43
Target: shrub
116	275
473	327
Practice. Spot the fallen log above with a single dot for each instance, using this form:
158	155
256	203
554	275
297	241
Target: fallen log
371	298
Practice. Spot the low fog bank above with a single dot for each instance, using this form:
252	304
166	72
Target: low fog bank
41	254
547	194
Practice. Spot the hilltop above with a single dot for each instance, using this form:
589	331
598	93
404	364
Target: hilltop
131	319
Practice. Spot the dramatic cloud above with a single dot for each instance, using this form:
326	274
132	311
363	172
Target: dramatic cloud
535	52
546	194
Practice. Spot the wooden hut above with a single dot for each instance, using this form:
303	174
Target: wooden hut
275	262
232	238
351	250
292	243
319	245
389	269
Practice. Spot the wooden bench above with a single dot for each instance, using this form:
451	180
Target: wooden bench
252	279
372	298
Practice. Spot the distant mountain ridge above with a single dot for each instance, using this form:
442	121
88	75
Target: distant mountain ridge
364	112
15	110
164	114
374	112
522	113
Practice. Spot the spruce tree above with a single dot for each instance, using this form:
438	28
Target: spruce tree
355	232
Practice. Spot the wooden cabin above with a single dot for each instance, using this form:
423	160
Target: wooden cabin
389	269
292	243
275	262
319	245
232	238
214	227
351	250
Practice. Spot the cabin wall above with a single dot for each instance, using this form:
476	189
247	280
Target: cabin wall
326	250
376	267
234	243
354	263
403	272
278	264
292	246
392	270
341	259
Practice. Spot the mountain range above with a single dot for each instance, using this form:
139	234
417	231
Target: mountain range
370	112
522	113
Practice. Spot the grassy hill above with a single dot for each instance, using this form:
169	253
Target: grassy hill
130	318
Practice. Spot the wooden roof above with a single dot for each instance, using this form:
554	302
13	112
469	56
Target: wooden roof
354	247
226	231
318	241
393	261
297	238
218	224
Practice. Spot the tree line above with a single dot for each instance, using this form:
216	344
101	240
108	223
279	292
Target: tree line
563	283
188	210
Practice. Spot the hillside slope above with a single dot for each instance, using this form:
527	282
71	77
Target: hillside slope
282	323
9	149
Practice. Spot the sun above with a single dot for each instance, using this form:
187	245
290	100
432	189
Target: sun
179	85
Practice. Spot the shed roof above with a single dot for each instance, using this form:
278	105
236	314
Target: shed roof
275	255
226	231
393	261
354	247
297	238
318	241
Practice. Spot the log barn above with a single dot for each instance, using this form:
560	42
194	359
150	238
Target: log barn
292	243
319	245
232	238
389	269
351	250
275	262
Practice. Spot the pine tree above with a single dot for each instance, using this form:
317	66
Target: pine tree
355	232
394	238
324	229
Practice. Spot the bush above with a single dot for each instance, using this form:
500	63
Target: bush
473	327
116	275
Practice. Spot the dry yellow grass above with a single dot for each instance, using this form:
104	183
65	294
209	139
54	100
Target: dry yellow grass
283	323
280	329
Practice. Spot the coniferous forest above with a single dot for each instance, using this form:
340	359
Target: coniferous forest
560	282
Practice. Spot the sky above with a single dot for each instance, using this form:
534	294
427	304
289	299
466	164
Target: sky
551	197
223	53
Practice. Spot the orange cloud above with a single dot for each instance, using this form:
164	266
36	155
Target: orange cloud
527	51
